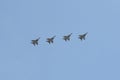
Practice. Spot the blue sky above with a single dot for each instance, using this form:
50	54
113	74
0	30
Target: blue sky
96	58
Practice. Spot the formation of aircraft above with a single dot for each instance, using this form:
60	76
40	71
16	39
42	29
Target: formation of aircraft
35	42
66	38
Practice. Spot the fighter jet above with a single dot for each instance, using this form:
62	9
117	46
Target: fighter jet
35	42
82	36
67	37
50	40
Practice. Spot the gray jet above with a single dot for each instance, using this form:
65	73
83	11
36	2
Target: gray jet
35	42
50	40
67	37
82	36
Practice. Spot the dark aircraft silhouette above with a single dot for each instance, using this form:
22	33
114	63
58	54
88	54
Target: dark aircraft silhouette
67	37
50	40
35	42
82	36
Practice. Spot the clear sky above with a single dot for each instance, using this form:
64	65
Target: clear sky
96	58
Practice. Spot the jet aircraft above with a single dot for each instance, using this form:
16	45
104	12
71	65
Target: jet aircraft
35	42
67	37
50	40
83	36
